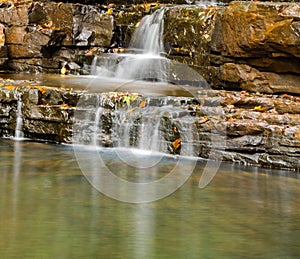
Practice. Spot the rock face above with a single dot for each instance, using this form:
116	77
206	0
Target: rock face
250	46
265	37
242	127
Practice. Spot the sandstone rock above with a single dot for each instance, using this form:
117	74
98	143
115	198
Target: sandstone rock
248	78
24	51
16	16
277	65
37	14
247	29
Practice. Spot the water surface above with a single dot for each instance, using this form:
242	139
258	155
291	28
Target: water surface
49	210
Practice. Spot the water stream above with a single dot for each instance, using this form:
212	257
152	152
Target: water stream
19	121
145	58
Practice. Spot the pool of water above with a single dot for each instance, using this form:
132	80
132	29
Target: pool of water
105	84
49	210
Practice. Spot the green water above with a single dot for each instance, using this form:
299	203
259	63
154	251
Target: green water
49	210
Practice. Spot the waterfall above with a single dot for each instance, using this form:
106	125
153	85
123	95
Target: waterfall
97	126
19	121
145	59
159	129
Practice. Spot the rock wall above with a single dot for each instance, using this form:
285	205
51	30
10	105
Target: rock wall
242	127
250	46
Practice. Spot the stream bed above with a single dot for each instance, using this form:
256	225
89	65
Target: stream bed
49	210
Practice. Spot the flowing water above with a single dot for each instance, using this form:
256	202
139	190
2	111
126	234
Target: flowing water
145	58
49	210
19	121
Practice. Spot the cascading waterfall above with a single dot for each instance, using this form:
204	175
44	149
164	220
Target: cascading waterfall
19	121
155	128
145	59
97	126
147	62
166	129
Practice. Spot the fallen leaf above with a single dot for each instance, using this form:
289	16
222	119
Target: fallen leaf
42	89
63	70
143	104
258	108
109	11
230	119
131	110
176	144
10	87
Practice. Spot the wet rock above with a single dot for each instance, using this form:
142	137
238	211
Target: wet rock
37	14
247	29
92	28
181	26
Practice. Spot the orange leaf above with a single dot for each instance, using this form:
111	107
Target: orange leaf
176	144
10	87
143	104
43	89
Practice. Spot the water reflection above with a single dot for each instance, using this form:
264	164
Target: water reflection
49	210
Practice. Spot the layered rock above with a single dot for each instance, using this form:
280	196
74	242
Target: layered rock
242	127
263	40
246	45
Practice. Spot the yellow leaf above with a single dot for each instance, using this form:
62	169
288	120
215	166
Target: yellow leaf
258	108
64	106
10	87
109	11
204	119
63	70
131	110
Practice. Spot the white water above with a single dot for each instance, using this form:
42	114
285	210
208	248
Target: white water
145	60
146	130
19	122
97	126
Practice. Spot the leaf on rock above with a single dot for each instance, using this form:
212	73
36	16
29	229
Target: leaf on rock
42	89
143	104
177	143
10	87
258	108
